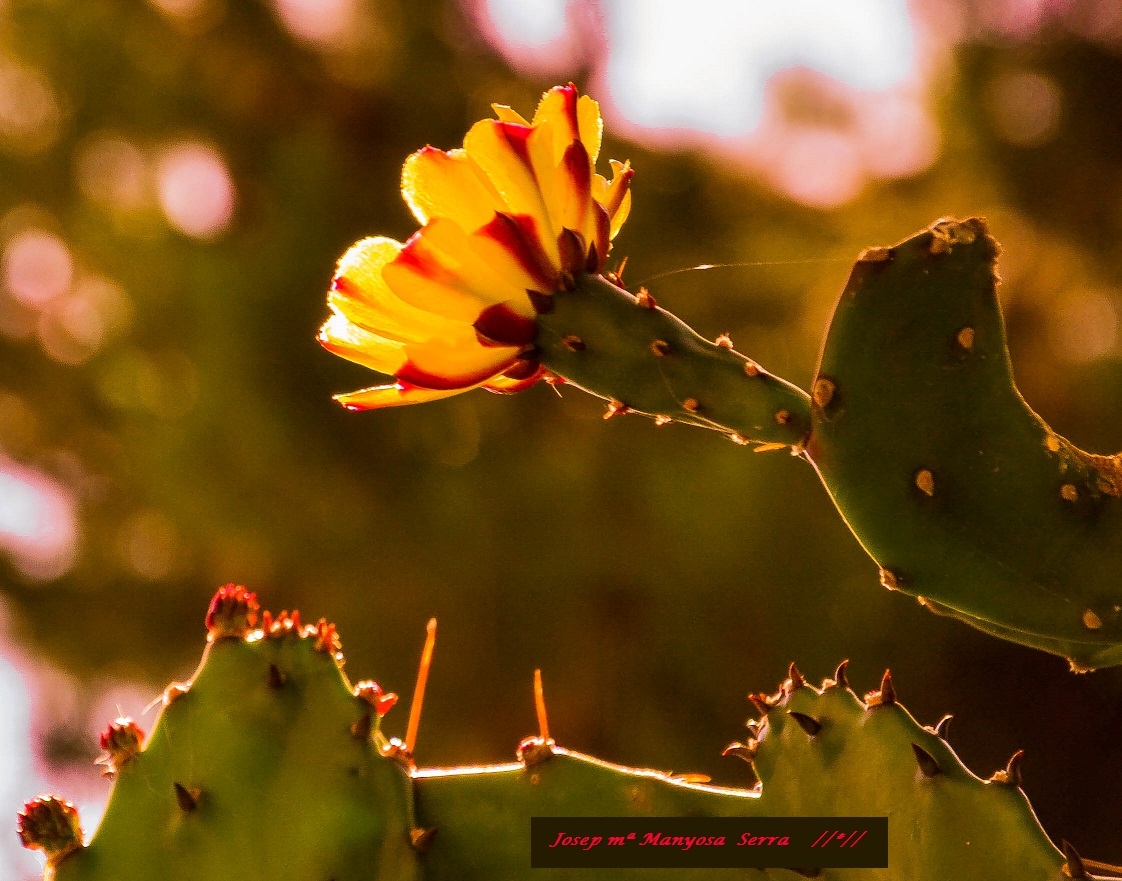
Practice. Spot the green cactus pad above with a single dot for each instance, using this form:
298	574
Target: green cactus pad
637	356
964	496
254	773
863	760
268	765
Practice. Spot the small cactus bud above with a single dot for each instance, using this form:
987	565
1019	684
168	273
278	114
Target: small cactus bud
372	693
232	612
534	750
327	640
120	741
51	825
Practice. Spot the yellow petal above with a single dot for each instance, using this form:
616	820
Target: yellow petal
381	396
340	337
441	270
615	196
457	365
557	115
506	114
449	184
360	292
591	126
515	242
501	151
621	214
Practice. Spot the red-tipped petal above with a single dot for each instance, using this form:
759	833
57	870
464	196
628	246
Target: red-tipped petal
500	325
578	190
413	375
517	234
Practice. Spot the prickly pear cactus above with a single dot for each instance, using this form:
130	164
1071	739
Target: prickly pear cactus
269	765
266	765
965	498
961	493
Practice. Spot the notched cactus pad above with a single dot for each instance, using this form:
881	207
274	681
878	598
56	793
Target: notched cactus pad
962	494
269	766
264	766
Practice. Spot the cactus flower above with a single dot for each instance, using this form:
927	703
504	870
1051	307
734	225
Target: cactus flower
508	219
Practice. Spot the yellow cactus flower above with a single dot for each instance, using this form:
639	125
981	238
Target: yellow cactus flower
507	220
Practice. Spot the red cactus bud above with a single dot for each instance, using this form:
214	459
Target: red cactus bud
121	741
372	693
232	612
51	825
327	639
285	624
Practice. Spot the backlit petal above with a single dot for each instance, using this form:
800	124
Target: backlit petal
340	337
380	396
501	150
591	126
360	292
455	366
449	184
443	255
507	114
557	114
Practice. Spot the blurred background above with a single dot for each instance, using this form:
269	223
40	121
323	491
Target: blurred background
177	179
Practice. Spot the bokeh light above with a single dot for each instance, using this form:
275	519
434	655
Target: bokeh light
318	21
38	522
1086	325
1025	107
113	171
195	189
735	78
30	115
37	267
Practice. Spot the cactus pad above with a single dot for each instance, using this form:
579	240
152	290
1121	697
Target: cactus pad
624	348
268	765
962	494
262	767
